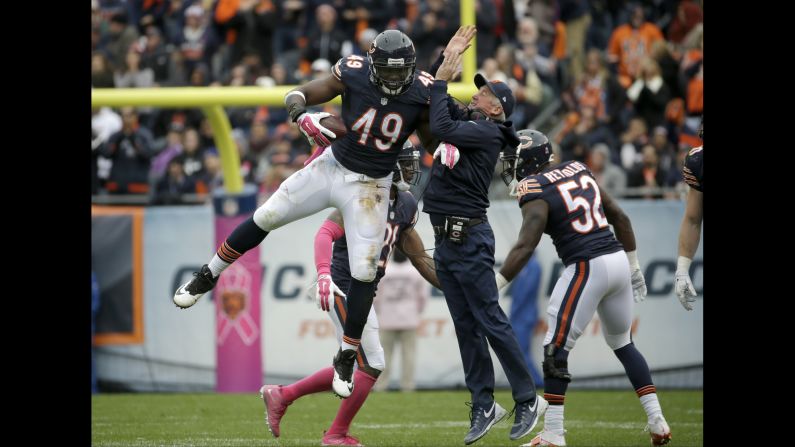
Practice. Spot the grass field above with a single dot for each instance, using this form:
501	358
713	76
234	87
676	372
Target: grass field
427	418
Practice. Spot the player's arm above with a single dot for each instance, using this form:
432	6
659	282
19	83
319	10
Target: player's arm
689	234
619	220
622	227
534	220
411	245
313	92
317	91
690	231
331	230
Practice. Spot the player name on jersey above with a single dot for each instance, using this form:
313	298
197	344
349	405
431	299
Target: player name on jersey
569	171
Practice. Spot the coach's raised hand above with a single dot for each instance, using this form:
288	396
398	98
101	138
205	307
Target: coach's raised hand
460	41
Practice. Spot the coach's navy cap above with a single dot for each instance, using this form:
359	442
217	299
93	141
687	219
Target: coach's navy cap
500	90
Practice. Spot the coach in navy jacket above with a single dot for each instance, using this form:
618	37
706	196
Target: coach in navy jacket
456	200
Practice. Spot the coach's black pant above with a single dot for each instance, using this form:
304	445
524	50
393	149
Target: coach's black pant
466	273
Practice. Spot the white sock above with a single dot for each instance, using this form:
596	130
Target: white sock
553	419
651	405
217	265
346	345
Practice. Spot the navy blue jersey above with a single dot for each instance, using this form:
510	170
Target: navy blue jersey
576	220
464	190
377	124
693	170
402	215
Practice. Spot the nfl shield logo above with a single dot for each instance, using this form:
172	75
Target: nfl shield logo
383	101
392	215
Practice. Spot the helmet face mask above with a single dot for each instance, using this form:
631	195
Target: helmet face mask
407	168
392	60
532	154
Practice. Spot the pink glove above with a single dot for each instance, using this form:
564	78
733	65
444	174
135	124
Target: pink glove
325	292
447	154
309	124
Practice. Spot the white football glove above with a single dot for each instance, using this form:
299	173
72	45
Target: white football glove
638	282
682	283
685	290
309	125
638	286
447	154
324	294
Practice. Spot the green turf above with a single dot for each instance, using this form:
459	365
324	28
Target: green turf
431	418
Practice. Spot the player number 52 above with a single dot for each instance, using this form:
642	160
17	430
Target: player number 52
573	203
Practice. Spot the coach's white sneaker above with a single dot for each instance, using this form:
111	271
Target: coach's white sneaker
547	438
659	430
190	292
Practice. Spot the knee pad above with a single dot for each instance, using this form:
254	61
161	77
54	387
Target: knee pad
270	215
617	341
555	368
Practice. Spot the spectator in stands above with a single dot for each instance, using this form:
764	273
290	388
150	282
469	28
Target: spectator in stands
104	123
688	15
325	41
155	55
666	152
170	188
171	148
609	177
366	37
436	22
101	73
197	41
192	156
486	14
649	94
648	174
121	36
358	15
133	75
249	27
130	151
587	131
630	42
632	141
576	16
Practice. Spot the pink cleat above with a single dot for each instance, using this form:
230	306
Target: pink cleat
338	439
275	407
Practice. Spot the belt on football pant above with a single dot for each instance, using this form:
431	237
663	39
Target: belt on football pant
441	230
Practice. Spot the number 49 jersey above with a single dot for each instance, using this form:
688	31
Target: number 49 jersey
576	220
378	124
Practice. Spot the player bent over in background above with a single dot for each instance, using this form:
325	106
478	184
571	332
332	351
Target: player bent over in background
333	277
565	202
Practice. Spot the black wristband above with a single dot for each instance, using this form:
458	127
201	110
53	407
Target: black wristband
295	110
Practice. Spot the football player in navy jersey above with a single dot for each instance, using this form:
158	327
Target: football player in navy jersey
602	273
384	99
330	298
690	231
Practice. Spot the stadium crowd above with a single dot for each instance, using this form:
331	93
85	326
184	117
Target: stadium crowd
623	81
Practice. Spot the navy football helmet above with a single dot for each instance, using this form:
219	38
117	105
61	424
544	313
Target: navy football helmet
532	154
407	168
392	60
